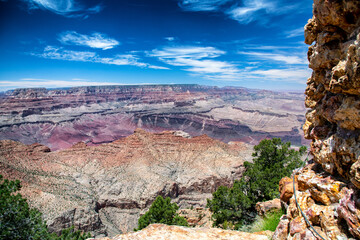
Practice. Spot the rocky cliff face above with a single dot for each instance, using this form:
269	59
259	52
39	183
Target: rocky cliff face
104	189
61	117
328	189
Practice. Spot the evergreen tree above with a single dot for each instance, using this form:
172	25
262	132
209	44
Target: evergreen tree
20	222
272	160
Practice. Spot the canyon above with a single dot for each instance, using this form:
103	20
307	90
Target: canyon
59	118
104	189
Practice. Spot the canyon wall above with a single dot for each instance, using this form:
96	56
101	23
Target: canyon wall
328	188
103	189
58	118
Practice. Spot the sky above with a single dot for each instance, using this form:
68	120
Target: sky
66	43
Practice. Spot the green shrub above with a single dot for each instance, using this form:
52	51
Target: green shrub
18	221
272	160
161	211
268	222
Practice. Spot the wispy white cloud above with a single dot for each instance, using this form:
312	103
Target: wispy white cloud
202	5
47	83
170	39
95	40
295	32
52	83
267	47
299	75
244	11
251	10
66	8
197	60
59	53
284	57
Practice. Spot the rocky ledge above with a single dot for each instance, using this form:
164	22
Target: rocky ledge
104	189
328	189
161	231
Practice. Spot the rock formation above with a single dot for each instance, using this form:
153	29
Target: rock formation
165	232
104	189
264	207
328	188
197	217
62	117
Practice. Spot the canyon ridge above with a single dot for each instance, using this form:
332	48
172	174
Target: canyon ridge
59	118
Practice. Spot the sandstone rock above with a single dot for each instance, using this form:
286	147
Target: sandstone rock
324	192
104	189
282	229
286	189
197	217
263	207
161	231
349	211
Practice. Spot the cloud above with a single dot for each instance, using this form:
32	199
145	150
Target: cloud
95	40
251	10
202	5
59	53
197	60
298	75
295	33
170	39
66	8
47	83
51	83
244	11
285	57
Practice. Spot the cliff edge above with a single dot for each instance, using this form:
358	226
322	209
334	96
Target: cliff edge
328	188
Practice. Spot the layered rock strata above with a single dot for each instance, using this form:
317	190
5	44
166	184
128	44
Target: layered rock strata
328	189
59	118
104	189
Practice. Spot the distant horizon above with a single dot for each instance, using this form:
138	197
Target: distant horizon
149	85
256	44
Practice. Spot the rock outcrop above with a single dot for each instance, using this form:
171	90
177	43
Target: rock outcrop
264	207
197	217
104	189
62	117
161	231
328	188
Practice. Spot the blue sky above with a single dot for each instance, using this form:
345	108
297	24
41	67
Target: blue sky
64	43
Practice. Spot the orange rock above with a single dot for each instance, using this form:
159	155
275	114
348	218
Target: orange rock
286	189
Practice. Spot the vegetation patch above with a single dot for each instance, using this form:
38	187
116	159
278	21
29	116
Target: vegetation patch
234	207
18	221
161	211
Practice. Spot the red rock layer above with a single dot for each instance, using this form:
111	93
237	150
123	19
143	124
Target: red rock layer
104	189
60	118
